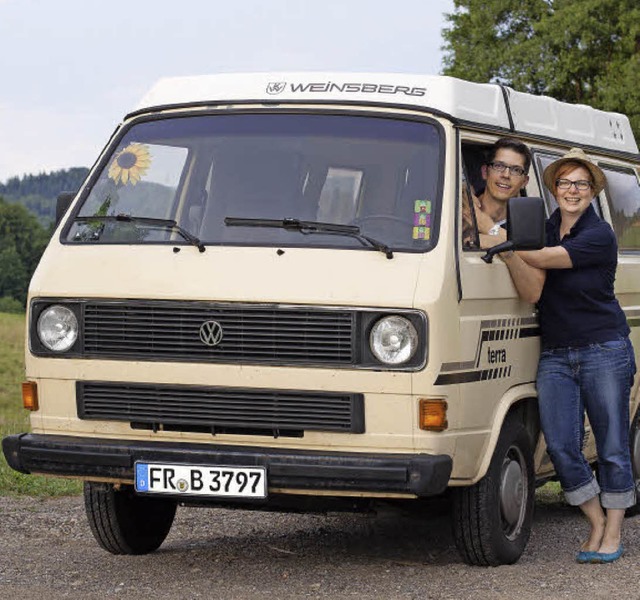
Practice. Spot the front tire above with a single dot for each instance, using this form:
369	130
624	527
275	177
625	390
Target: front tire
124	523
492	519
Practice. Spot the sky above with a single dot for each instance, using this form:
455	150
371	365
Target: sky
71	69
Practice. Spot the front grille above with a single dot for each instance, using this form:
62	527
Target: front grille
255	334
217	410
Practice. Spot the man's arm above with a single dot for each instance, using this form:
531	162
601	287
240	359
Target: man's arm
549	257
528	279
484	221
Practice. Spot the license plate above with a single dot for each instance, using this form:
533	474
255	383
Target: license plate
199	480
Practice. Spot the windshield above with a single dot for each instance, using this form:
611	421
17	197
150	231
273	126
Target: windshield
379	174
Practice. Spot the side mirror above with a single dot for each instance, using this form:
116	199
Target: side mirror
63	202
525	227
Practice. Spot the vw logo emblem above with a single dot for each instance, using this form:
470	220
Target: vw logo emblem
276	87
211	333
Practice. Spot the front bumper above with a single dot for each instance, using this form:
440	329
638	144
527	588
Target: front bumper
89	458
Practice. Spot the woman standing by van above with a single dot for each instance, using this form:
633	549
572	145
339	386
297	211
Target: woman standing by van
587	362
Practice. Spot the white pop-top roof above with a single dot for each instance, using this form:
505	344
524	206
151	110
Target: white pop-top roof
481	103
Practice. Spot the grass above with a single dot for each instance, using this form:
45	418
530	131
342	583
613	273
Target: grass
15	419
550	493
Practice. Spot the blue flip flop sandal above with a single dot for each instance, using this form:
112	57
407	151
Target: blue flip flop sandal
585	556
604	557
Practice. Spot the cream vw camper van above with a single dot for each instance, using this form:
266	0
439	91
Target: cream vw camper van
261	297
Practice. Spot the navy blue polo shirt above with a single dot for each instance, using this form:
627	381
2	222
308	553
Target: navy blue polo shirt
578	306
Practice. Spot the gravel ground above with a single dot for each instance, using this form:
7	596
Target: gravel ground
47	552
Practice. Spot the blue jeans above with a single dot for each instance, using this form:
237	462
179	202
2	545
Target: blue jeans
596	378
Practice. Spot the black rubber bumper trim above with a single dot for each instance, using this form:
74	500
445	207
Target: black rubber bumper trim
419	474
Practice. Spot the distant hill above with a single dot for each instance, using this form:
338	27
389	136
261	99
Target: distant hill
38	193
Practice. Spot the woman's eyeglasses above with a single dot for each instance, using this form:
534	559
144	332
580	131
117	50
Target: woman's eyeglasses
500	167
582	185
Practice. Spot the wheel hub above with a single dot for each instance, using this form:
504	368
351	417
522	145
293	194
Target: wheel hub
512	492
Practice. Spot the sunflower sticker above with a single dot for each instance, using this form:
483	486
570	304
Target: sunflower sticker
130	164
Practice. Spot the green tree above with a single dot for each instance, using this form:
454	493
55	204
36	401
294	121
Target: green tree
46	185
585	51
13	273
485	38
22	241
38	193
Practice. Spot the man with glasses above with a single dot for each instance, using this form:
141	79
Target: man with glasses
505	173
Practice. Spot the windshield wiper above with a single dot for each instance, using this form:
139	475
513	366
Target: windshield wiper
167	223
307	227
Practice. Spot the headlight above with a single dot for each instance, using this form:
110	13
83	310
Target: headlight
57	328
393	340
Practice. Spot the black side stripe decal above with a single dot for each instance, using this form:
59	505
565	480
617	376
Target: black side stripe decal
471	376
490	331
497	330
530	332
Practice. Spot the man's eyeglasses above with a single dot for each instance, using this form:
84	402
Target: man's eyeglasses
500	167
582	185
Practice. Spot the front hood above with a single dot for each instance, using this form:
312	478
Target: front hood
231	274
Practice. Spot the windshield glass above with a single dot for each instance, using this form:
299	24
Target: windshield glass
382	175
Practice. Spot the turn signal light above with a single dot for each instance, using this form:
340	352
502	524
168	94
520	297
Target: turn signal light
433	414
30	395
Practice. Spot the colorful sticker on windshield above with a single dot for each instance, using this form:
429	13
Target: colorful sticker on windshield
422	220
130	164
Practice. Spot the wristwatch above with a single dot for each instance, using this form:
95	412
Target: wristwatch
495	230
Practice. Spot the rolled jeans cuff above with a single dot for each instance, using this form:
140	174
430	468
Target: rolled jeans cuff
618	499
583	493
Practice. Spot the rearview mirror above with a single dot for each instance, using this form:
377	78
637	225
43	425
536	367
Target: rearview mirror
525	227
63	202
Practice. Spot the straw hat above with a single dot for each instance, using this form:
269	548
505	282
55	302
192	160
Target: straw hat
575	155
